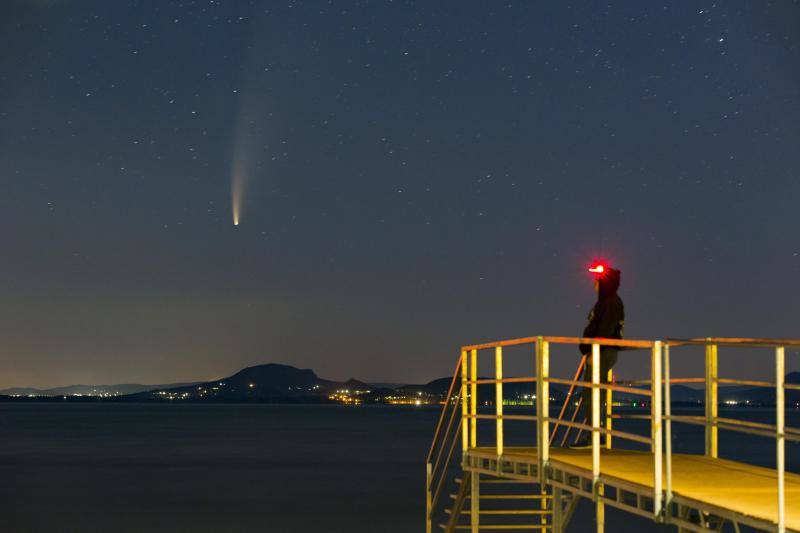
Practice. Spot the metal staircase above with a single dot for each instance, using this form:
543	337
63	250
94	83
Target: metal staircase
502	504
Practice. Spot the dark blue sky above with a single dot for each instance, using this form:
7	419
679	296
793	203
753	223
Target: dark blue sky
419	175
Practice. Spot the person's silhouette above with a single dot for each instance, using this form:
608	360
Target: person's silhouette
606	320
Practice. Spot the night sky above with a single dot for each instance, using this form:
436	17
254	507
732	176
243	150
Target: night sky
411	176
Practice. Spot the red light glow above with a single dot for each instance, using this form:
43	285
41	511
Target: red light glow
598	268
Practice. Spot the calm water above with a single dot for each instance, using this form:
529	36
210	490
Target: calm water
272	468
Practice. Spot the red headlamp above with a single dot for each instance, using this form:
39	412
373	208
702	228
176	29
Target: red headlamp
598	269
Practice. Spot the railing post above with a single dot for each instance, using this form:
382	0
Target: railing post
655	412
597	489
464	406
668	432
475	502
428	502
542	407
780	448
498	400
609	408
711	400
558	510
473	399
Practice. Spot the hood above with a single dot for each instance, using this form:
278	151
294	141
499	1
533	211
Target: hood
609	283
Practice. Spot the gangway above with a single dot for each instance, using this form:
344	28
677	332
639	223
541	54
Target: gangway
694	492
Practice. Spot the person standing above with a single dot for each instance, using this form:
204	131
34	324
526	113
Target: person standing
606	320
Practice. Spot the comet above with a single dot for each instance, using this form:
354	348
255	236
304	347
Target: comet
253	128
244	166
237	192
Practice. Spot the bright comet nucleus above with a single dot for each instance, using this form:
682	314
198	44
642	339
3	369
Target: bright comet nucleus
237	196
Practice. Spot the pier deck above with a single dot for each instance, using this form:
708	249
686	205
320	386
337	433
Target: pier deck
742	488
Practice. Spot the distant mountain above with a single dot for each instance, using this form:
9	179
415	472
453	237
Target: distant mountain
269	382
89	390
437	386
356	385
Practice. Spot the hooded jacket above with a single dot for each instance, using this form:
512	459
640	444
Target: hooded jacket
607	317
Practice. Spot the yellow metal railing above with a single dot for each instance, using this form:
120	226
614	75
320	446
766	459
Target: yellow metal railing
657	390
713	422
542	417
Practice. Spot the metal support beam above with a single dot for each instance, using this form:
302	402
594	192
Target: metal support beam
498	402
542	406
473	399
465	421
595	414
655	411
558	511
475	502
609	407
711	400
780	448
597	488
668	430
428	502
543	503
600	511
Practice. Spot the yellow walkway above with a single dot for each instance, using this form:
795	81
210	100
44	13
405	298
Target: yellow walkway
746	489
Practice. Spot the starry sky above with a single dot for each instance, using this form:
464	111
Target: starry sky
411	176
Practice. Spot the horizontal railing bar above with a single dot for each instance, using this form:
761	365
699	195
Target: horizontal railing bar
791	386
505	417
737	422
520	380
672	381
745	382
621	343
563	340
488	381
495	344
701	421
604	431
604	386
734	341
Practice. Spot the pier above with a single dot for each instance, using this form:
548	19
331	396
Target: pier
489	481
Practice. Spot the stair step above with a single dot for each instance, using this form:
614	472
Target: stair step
510	496
513	481
508	512
483	527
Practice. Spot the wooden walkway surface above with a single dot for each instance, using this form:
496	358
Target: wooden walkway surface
739	487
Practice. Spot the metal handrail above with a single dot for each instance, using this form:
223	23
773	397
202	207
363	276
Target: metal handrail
578	372
436	475
603	386
621	343
712	423
453	412
446	402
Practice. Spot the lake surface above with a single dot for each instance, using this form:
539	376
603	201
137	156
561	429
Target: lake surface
269	468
